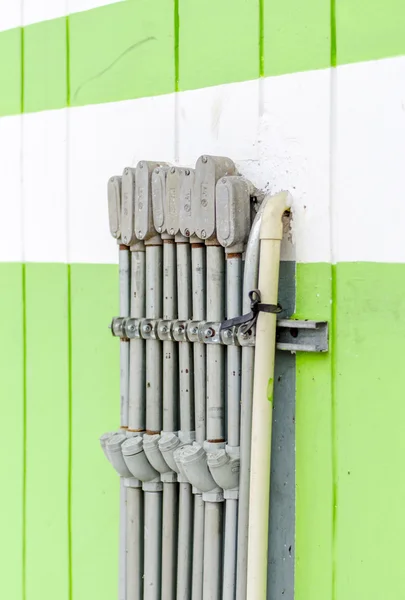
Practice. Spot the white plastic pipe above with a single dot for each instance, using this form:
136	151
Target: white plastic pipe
271	233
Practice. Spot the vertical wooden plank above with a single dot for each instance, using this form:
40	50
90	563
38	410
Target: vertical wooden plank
95	410
218	42
12	437
314	444
47	432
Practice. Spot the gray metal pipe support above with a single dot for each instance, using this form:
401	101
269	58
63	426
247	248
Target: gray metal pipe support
250	281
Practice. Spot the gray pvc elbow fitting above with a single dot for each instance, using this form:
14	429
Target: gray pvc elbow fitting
154	454
225	471
113	448
103	442
168	444
136	460
194	465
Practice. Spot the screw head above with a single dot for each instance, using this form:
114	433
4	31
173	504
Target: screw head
187	171
172	170
131	327
203	233
244	336
164	329
209	332
187	232
204	159
171	232
194	331
159	229
140	235
141	165
112	179
157	170
125	239
228	333
146	328
126	171
223	180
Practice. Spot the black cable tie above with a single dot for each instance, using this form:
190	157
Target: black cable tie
250	318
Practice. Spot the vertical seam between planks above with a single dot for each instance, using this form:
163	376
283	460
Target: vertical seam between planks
176	45
69	311
333	337
176	80
261	38
24	465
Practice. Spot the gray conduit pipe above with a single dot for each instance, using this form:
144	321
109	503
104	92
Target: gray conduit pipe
213	536
154	381
136	411
186	433
161	214
198	287
124	278
199	297
233	207
114	210
208	171
170	420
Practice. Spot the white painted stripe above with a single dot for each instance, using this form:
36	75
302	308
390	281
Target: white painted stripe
14	13
10	196
35	11
10	14
277	130
44	189
80	5
369	162
103	140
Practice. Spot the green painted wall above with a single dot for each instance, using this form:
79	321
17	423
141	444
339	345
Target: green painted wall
59	377
59	364
126	50
349	421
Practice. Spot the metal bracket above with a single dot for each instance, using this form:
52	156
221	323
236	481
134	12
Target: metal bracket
292	336
302	336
